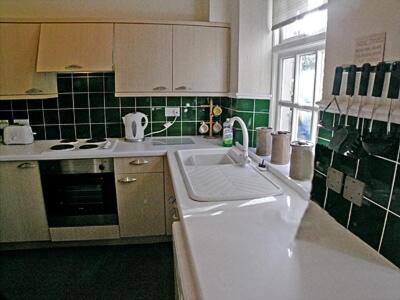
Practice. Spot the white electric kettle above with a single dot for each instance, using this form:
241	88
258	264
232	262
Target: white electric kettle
134	128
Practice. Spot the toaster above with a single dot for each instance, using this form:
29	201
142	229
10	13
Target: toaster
18	135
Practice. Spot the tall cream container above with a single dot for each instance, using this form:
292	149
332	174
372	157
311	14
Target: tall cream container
280	153
264	141
301	160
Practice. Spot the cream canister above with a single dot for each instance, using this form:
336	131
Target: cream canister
301	160
280	153
264	141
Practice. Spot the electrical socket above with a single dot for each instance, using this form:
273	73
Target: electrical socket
172	112
334	180
353	190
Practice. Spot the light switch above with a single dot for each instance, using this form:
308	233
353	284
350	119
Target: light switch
334	180
354	190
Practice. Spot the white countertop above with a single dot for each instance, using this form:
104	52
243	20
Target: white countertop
281	247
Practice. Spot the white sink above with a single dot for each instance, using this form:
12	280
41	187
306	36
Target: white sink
217	175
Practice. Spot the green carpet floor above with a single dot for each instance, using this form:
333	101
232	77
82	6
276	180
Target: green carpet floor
109	272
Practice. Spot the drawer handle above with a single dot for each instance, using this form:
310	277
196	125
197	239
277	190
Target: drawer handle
172	199
33	91
182	88
73	67
26	166
138	162
175	215
159	88
126	180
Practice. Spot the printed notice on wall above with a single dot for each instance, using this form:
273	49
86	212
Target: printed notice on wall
370	49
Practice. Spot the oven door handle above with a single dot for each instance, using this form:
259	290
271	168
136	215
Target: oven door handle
127	180
138	162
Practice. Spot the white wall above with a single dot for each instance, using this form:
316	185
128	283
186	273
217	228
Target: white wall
350	19
195	10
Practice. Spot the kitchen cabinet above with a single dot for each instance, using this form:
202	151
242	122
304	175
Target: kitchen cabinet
171	211
143	58
140	197
22	210
78	47
200	59
18	53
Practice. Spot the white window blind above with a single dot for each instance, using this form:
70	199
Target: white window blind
288	11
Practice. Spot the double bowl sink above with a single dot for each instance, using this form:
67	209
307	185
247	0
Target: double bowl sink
218	175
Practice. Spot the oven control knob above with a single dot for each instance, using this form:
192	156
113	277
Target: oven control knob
101	167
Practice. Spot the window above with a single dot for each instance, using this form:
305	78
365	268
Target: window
298	75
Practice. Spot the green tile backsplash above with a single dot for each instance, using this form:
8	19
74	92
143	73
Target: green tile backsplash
377	221
86	107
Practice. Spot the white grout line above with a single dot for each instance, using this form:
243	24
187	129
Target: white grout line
104	105
390	200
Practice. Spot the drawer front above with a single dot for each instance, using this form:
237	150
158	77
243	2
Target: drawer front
143	164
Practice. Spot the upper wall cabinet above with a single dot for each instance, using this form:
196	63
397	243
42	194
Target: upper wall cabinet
143	58
18	52
75	48
200	58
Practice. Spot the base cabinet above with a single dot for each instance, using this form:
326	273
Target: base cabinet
140	199
22	210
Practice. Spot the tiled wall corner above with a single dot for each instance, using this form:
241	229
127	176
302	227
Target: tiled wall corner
377	221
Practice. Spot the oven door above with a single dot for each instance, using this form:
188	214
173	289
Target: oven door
80	199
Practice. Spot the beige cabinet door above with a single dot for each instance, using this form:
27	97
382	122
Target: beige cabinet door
18	52
75	47
200	59
22	210
143	58
140	199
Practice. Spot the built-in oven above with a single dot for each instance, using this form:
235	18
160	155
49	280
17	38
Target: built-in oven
79	192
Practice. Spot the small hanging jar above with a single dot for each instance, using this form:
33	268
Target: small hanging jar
302	160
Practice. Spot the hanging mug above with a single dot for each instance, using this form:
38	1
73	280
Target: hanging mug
203	127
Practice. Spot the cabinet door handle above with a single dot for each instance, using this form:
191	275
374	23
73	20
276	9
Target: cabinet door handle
175	215
73	67
127	180
159	88
26	166
138	162
33	91
172	199
182	88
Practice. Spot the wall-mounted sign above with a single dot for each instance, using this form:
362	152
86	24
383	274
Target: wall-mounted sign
370	49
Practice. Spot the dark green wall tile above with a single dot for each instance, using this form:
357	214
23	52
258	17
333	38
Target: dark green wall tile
156	126
20	114
146	111
203	114
52	132
113	130
143	101
98	131
395	203
261	120
189	101
127	102
51	117
80	85
97	116
96	100
111	100
96	84
225	102
189	128
188	114
40	132
377	174
19	105
322	142
67	131
113	115
262	105
81	100
175	130
82	116
35	117
82	131
338	207
202	101
174	101
109	84
67	116
318	189
244	105
158	114
247	119
7	104
6	115
391	239
322	158
64	85
367	223
344	164
127	110
49	103
65	101
158	101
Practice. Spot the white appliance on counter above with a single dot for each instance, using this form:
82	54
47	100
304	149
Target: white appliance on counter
18	135
134	127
